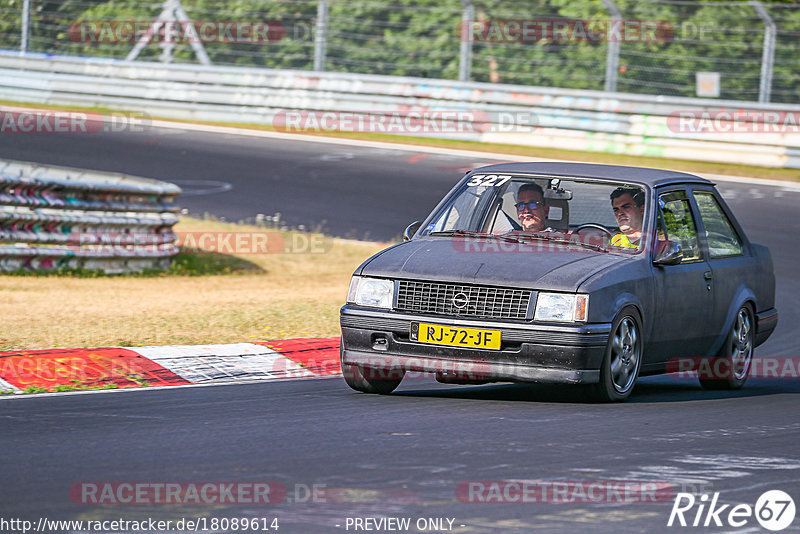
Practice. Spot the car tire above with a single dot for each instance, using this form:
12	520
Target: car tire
731	366
357	377
622	359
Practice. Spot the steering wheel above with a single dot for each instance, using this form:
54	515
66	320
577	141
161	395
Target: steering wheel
596	227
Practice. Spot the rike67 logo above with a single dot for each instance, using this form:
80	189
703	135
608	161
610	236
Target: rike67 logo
774	510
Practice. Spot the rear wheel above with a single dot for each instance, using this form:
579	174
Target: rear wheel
368	380
730	368
623	358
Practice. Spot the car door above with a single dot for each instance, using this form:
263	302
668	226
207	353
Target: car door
730	264
684	292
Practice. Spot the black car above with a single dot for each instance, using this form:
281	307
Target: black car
563	272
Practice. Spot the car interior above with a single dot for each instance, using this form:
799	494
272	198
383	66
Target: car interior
559	199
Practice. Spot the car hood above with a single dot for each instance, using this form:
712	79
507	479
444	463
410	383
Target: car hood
495	263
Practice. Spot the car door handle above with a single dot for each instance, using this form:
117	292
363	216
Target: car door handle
708	275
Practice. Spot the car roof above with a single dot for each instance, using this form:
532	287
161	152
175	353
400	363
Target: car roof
641	175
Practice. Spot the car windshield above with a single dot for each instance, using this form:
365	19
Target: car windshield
605	216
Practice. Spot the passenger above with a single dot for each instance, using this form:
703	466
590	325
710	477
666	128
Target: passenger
628	204
531	209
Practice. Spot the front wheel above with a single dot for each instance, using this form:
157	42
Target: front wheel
730	368
369	380
623	358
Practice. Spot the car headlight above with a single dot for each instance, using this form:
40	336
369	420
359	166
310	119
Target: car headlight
373	292
561	307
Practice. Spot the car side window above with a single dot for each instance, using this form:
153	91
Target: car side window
678	223
720	235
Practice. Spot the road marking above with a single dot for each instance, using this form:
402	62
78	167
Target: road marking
6	386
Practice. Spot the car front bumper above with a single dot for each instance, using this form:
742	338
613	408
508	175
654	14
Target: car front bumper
379	340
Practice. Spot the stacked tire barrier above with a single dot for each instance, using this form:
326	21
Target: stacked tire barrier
767	135
60	218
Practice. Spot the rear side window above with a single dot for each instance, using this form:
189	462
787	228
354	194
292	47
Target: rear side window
678	224
720	235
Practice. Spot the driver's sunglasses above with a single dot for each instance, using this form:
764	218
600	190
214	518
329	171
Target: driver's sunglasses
531	205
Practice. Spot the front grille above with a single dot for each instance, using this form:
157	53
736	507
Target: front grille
473	301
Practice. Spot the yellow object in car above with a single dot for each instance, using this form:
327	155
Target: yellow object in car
621	240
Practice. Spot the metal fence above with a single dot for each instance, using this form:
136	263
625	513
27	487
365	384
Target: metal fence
752	48
55	217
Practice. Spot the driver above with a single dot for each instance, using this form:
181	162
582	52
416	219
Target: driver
628	204
531	209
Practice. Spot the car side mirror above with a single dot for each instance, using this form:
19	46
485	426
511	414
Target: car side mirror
410	230
671	256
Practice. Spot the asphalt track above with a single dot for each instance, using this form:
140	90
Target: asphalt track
404	455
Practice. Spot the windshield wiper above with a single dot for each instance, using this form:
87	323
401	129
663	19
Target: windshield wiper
458	232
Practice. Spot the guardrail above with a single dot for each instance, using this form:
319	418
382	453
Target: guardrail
57	217
723	131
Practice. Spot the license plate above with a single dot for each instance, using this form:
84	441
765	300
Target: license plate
472	338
